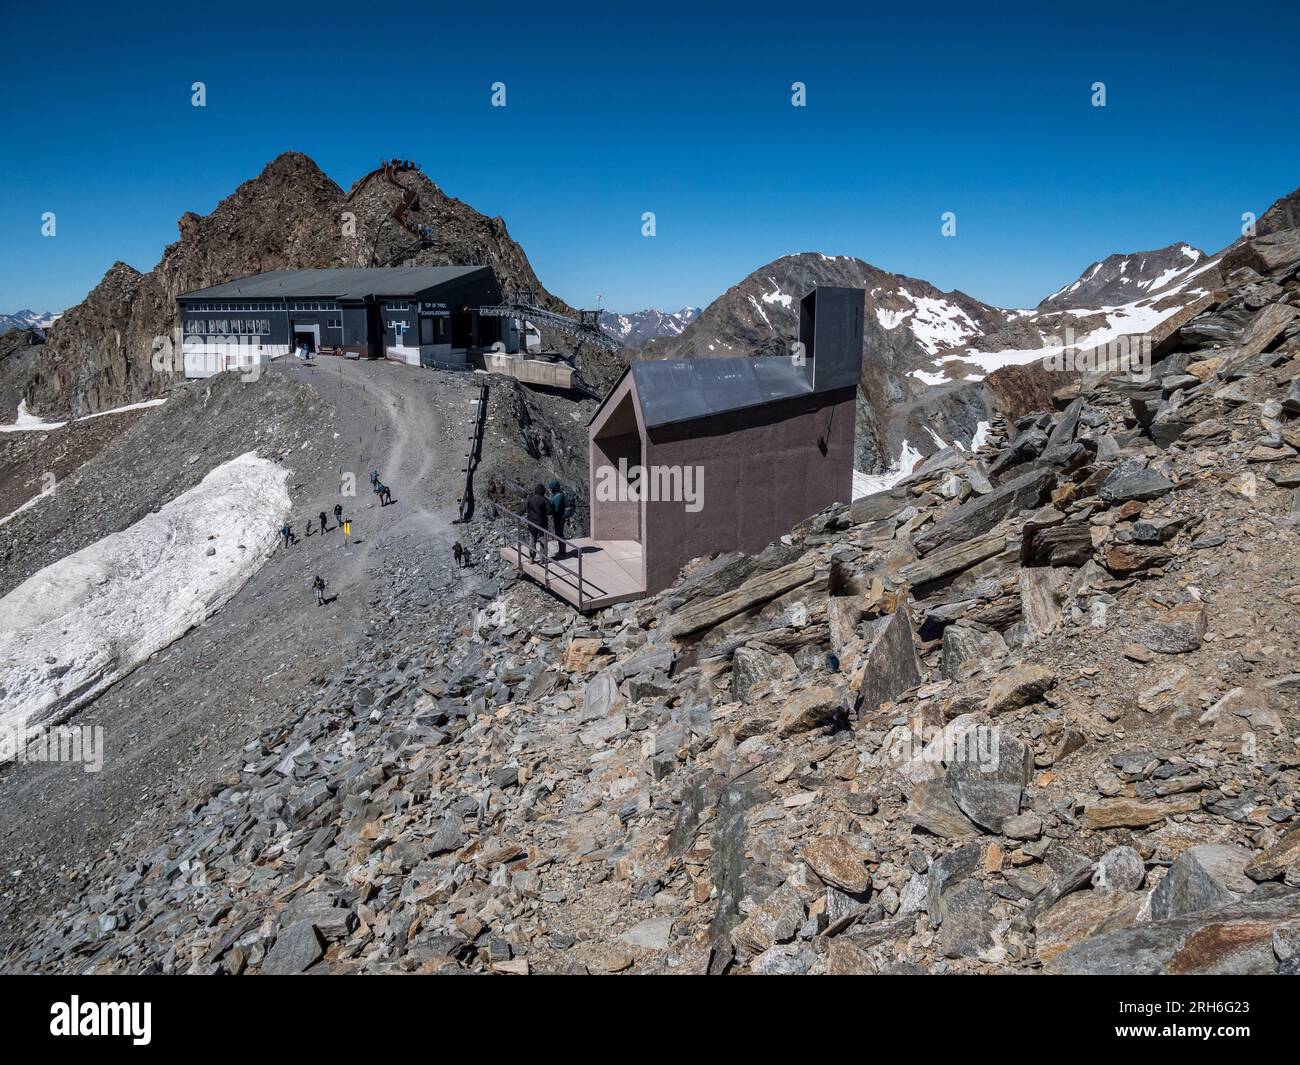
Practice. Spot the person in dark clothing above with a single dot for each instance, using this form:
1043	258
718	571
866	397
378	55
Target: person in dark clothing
286	530
323	523
338	513
561	507
309	526
319	585
374	481
458	550
536	510
385	494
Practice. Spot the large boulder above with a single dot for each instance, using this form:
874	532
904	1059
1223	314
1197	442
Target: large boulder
1203	878
889	665
979	515
1234	940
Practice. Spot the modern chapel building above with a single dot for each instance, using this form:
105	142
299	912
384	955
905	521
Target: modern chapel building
689	457
422	315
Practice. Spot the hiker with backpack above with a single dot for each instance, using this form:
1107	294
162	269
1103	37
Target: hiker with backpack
561	507
319	585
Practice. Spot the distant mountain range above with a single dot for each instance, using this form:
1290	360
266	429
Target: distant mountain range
26	319
637	327
933	337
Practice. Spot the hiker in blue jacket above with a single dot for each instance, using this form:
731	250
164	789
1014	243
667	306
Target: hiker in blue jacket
561	508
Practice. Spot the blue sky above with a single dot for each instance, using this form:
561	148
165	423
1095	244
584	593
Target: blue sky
614	110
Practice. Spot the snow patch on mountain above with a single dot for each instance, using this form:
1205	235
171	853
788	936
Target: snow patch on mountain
26	319
938	323
81	624
32	423
866	484
636	327
777	296
28	422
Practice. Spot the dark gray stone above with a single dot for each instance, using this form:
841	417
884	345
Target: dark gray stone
1203	878
1234	940
988	774
979	515
1158	530
967	929
1133	480
945	871
296	949
1064	430
1119	869
962	644
892	666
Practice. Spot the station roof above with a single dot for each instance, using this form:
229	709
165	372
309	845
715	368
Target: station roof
355	283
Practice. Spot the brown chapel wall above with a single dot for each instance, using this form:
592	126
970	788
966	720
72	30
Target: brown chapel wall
764	472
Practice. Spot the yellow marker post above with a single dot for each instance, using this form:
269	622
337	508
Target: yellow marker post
347	532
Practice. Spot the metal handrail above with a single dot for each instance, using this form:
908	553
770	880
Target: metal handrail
474	454
523	523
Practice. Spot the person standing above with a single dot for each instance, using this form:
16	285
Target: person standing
535	510
319	585
561	507
323	522
338	513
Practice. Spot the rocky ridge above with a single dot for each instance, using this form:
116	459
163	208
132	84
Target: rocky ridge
1033	708
102	353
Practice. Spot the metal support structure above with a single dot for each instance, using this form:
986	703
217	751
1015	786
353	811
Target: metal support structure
523	304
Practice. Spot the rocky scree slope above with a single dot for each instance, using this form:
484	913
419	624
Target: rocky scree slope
164	452
1033	708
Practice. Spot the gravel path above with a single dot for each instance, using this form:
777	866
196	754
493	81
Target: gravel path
195	704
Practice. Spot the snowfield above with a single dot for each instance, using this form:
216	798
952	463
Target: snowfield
28	422
868	484
81	624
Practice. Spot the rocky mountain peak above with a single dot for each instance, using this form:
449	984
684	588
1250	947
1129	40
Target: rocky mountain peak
1125	277
1283	214
290	216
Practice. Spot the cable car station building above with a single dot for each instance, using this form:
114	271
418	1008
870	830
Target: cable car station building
420	315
